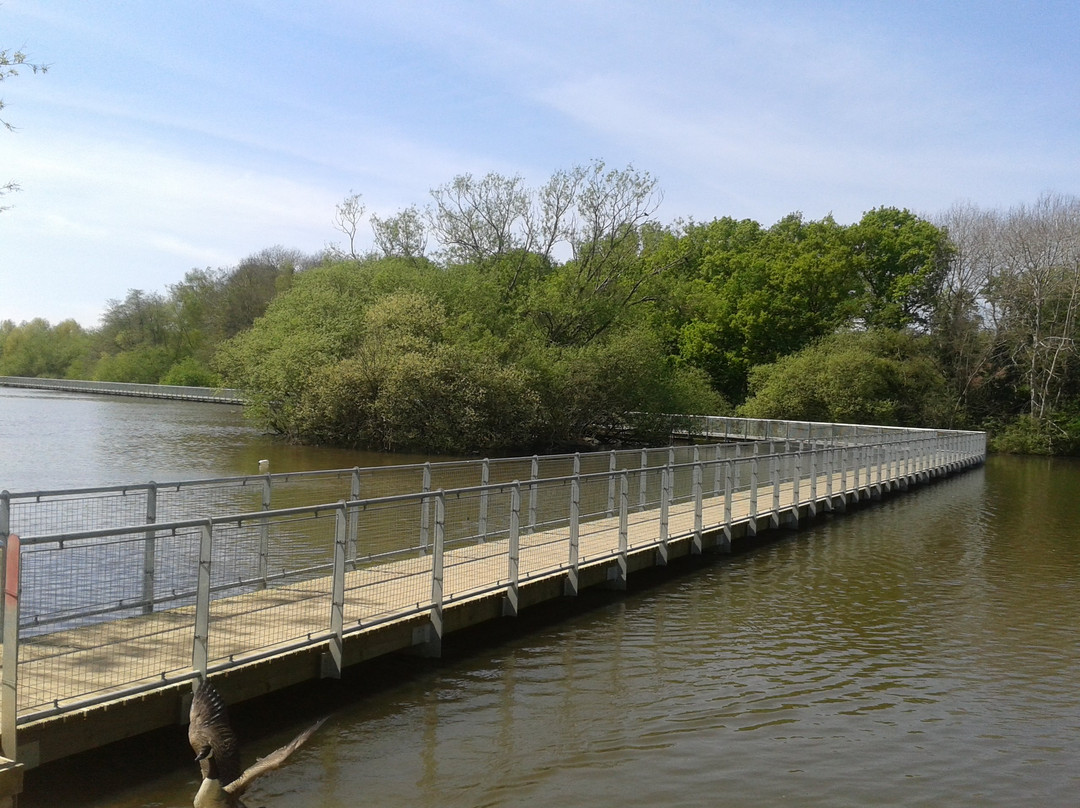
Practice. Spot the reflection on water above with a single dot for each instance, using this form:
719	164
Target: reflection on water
922	651
51	440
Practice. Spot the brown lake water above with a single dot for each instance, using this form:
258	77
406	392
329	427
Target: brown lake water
922	651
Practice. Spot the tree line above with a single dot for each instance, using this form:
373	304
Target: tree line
501	317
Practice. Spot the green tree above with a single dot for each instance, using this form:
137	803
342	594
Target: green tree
38	349
744	295
902	261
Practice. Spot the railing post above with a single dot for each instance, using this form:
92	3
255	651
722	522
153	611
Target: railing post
534	475
796	481
332	662
513	556
617	576
830	464
666	475
9	684
570	586
5	530
717	456
433	646
611	484
752	525
482	519
200	650
264	534
774	467
149	550
643	481
725	545
425	510
696	547
352	541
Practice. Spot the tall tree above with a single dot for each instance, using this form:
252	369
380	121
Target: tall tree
348	214
1034	296
902	260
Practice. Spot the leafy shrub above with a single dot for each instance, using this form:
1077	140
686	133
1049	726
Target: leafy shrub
876	377
191	372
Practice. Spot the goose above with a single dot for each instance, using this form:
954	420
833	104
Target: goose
216	749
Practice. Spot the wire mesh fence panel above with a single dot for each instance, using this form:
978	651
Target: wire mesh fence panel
63	512
248	617
79	581
474	570
472	567
545	552
508	469
598	530
390	575
204	499
84	632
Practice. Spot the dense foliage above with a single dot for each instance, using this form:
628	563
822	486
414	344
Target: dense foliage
504	318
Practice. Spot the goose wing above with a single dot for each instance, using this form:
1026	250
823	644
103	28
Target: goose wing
211	735
272	761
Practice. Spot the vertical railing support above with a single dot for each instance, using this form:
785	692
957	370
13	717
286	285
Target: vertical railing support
796	481
432	641
149	550
611	483
513	556
617	575
843	470
534	475
717	471
830	464
774	475
332	661
425	510
352	540
725	544
643	482
264	533
752	524
5	530
696	545
482	518
200	651
570	585
5	514
9	683
666	487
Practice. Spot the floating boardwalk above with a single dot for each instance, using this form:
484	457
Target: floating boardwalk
208	395
113	617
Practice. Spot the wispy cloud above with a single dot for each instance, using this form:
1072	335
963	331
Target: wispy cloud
193	133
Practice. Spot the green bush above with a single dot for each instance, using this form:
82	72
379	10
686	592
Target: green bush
875	377
144	365
191	372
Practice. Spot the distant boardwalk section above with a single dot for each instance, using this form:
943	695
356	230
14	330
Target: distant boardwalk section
172	391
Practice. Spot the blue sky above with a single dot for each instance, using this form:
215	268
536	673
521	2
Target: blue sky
173	135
